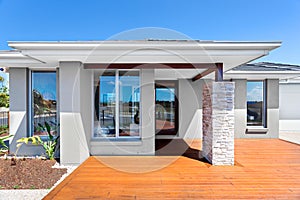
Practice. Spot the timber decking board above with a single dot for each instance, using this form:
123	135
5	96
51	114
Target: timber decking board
264	169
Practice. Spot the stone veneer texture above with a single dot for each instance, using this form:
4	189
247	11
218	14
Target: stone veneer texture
218	123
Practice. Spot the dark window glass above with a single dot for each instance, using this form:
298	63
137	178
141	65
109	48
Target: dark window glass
255	103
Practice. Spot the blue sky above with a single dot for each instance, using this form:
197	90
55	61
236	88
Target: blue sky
255	20
198	19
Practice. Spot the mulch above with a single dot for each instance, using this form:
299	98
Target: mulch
29	173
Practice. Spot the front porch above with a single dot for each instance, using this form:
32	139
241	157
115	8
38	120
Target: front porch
264	168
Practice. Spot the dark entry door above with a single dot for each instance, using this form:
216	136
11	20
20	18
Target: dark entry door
166	107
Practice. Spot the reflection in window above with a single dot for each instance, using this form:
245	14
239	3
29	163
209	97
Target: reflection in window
129	98
106	105
166	108
117	100
255	103
43	101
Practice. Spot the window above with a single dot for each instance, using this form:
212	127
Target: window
166	107
256	103
117	104
43	102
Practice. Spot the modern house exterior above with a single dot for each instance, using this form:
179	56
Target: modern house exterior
289	87
117	97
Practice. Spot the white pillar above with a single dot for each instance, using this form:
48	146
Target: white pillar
74	147
218	123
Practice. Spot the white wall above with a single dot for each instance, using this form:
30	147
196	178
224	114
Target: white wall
289	107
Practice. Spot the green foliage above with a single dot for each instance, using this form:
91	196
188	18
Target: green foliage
3	128
16	187
4	97
48	145
3	146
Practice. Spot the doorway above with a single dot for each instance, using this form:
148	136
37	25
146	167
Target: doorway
166	107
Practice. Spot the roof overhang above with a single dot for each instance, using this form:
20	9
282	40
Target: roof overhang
16	59
231	54
261	75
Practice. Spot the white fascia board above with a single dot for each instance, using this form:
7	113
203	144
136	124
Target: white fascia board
261	76
144	44
144	52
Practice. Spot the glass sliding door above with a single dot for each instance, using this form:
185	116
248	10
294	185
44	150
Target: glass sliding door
117	101
105	105
43	102
129	99
166	107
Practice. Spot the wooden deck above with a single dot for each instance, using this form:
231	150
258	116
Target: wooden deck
264	169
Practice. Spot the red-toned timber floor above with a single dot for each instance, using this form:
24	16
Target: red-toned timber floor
264	169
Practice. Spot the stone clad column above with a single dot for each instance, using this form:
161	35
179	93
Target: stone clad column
218	123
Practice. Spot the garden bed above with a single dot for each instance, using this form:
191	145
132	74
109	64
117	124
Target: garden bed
29	173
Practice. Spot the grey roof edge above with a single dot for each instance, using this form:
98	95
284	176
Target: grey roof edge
266	66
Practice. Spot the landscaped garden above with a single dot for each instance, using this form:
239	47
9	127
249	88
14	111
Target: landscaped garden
30	172
19	172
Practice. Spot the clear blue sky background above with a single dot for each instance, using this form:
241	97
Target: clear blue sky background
250	20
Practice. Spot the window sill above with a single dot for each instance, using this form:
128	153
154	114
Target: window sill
256	130
115	141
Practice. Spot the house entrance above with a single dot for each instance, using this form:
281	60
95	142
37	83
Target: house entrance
166	107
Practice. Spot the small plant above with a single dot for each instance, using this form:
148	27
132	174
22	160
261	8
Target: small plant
3	146
48	145
16	186
32	187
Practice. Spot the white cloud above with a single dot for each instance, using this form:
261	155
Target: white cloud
255	94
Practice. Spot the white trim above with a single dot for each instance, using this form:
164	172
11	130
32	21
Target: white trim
142	43
117	103
261	72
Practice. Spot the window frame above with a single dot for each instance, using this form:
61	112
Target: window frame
117	136
264	104
30	102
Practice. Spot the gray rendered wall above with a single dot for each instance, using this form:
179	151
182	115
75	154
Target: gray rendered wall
190	108
18	91
240	108
145	146
273	108
74	105
272	104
